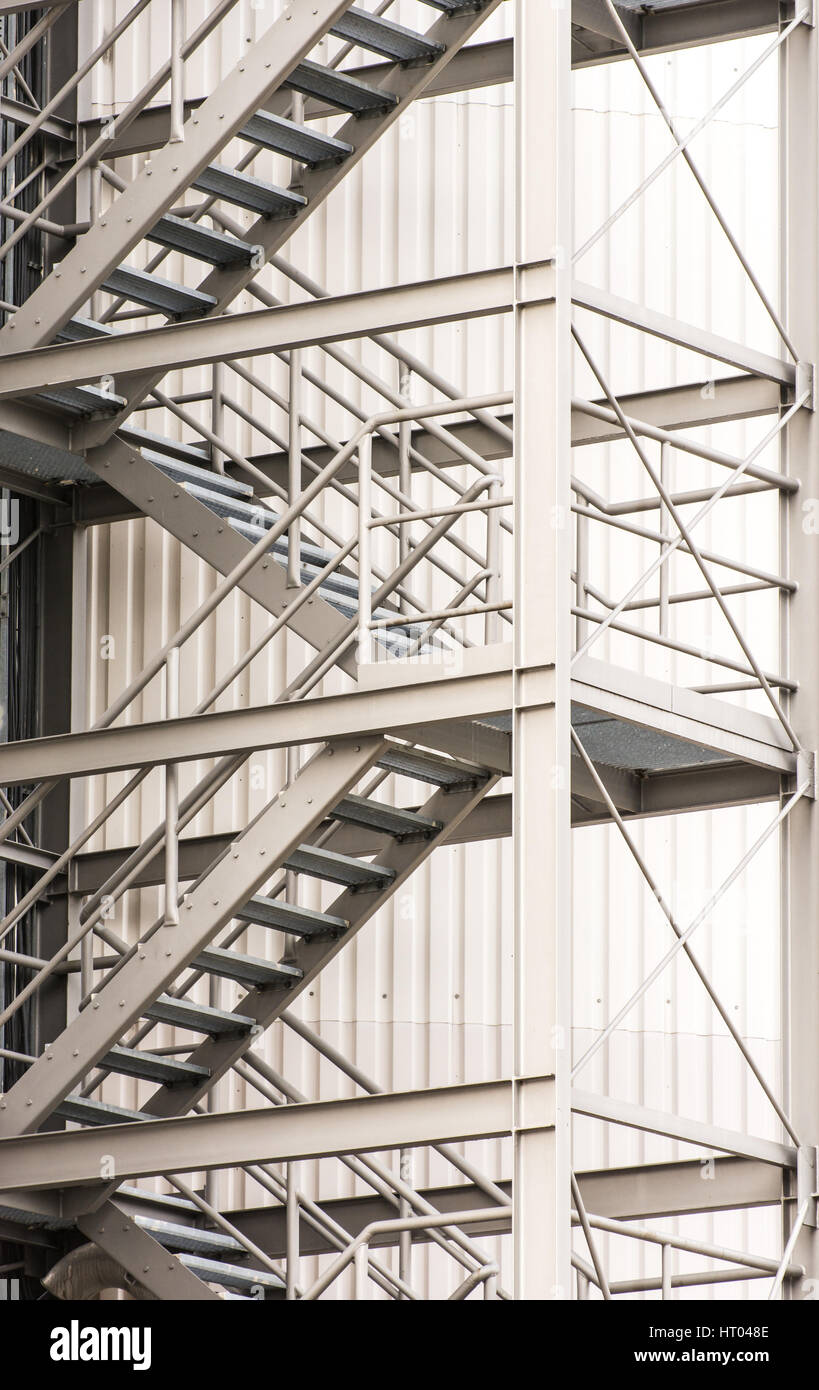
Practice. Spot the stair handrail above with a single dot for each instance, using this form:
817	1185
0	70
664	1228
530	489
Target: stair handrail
358	1249
230	581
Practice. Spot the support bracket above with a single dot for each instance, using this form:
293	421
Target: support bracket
806	771
807	1181
806	381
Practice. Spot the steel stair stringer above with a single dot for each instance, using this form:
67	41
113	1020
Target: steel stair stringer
209	905
215	541
313	954
143	1256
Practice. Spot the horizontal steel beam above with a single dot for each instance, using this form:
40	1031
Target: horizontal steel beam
643	1192
685	335
491	64
21	114
491	819
261	331
344	318
317	1129
696	789
704	1136
276	726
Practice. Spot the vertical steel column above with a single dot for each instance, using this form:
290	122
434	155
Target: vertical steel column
799	163
541	1221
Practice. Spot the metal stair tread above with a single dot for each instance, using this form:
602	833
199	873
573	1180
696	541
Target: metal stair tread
385	37
78	329
150	1066
456	6
81	400
393	820
289	917
84	1110
450	773
198	1018
248	192
192	239
339	868
250	531
194	454
234	1276
246	970
156	293
285	137
339	89
193	1240
186	473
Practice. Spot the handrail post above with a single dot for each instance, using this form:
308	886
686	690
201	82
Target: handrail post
404	1211
217	414
365	593
581	573
493	564
362	1257
294	480
171	914
177	135
404	465
292	1231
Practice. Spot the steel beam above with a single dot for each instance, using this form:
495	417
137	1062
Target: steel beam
265	726
704	1136
454	705
21	114
476	294
288	1133
261	331
685	335
491	64
643	1192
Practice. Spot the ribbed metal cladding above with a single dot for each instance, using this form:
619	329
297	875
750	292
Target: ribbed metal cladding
423	995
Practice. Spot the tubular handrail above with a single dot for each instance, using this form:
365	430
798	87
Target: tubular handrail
358	1248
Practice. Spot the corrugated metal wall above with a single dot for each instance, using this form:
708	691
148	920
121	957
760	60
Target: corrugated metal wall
423	995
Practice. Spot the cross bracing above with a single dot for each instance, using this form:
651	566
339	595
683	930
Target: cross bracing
447	642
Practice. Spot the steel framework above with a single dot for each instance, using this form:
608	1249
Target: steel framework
454	629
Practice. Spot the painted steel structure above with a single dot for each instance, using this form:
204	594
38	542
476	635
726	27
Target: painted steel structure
435	574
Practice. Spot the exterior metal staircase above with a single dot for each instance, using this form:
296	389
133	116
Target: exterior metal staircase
145	984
